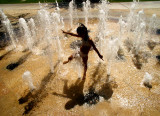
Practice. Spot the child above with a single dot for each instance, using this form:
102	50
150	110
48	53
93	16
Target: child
87	43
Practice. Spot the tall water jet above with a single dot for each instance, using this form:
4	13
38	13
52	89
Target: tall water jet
111	52
152	25
71	8
136	27
140	40
102	29
57	20
33	29
121	27
139	31
27	77
131	17
57	7
86	8
45	24
47	30
9	29
27	34
102	26
104	6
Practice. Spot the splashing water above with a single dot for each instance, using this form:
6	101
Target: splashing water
152	25
33	29
86	8
71	7
122	26
111	52
27	77
57	20
131	17
78	64
147	79
102	26
140	27
9	28
27	34
45	25
50	23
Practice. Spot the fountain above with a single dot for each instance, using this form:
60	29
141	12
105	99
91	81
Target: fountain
152	27
48	20
102	26
102	30
71	8
86	8
9	28
122	26
57	21
33	29
131	17
60	88
27	77
111	52
27	33
147	80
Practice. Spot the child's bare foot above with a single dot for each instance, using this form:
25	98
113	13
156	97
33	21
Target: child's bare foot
65	62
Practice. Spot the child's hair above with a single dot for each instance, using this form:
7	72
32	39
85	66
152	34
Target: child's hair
82	29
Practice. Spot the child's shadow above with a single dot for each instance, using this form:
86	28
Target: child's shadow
74	92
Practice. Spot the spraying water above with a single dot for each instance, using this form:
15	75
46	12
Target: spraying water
57	21
86	8
152	25
33	29
27	77
27	34
57	7
102	26
50	36
9	28
122	26
71	7
46	21
78	64
45	25
111	52
140	40
147	80
102	29
104	6
131	17
140	27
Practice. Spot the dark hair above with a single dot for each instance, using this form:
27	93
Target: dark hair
82	29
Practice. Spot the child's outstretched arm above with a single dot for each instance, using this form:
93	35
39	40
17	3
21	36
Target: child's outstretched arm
72	34
94	47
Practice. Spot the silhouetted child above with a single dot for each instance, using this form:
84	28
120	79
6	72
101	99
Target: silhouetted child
87	43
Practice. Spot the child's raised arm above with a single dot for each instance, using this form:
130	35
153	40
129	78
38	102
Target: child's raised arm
72	34
94	47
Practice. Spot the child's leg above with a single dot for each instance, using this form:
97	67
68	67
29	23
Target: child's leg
85	59
74	55
69	59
